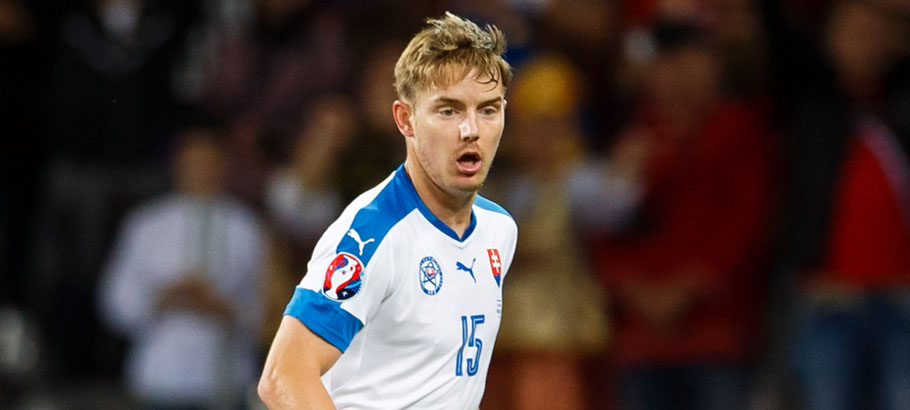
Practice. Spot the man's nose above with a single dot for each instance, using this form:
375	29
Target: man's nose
468	128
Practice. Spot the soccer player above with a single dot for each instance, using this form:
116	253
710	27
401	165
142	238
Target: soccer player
402	299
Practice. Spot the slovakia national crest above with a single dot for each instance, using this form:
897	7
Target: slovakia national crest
430	275
495	265
343	278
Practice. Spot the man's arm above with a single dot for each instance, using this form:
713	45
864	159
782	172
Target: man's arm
296	361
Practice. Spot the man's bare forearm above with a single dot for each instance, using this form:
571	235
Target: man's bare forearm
296	361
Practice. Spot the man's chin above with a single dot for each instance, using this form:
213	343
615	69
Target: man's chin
469	184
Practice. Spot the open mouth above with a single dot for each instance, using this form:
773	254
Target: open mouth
469	163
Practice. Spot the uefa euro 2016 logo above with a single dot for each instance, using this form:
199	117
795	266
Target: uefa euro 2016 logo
430	276
343	278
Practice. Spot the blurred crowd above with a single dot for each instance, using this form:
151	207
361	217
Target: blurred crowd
713	196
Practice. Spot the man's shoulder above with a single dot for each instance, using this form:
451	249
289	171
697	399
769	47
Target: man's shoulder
497	212
492	217
379	207
367	220
486	204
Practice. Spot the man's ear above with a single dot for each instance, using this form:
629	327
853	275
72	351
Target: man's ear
403	114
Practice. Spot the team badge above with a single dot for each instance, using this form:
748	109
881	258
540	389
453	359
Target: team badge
495	265
343	278
430	275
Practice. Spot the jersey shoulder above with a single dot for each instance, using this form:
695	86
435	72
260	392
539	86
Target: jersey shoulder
496	214
366	222
484	203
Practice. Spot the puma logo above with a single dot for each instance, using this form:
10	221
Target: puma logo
460	266
356	236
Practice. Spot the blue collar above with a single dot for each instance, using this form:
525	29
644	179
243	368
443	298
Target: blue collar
402	177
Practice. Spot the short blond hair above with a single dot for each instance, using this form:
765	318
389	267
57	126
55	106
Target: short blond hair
446	51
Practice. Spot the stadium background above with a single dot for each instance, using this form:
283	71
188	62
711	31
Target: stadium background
93	95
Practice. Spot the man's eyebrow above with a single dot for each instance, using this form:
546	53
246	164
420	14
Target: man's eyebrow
448	101
491	101
454	101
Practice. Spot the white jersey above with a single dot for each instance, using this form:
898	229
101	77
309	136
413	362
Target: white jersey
414	308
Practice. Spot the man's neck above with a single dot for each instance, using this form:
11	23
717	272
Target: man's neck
453	210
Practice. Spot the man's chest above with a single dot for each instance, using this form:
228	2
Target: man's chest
447	297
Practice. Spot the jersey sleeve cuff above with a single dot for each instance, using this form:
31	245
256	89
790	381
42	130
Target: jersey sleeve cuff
324	317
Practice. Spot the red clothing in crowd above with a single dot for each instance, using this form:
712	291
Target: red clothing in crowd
705	218
869	246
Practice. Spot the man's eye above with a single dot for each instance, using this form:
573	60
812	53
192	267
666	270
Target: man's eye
489	111
448	112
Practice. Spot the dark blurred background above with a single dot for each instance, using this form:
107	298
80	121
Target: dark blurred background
713	196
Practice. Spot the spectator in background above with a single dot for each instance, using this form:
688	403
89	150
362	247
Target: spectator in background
110	98
588	33
374	147
850	348
108	119
553	320
337	155
183	286
735	30
261	73
304	197
677	225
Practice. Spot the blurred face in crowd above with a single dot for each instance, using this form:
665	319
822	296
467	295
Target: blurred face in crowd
199	166
453	131
860	41
684	80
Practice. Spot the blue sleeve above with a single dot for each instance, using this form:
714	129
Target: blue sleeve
324	317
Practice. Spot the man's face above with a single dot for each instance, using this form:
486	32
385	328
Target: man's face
456	131
200	167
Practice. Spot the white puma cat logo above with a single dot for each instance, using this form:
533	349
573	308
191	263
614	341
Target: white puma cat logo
353	234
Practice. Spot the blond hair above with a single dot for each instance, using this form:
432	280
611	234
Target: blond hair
446	51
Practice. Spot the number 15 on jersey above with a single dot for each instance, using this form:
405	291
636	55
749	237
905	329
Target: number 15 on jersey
469	339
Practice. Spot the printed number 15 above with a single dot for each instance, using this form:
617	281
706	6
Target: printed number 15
469	339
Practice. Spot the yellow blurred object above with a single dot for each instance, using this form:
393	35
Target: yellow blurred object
549	86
